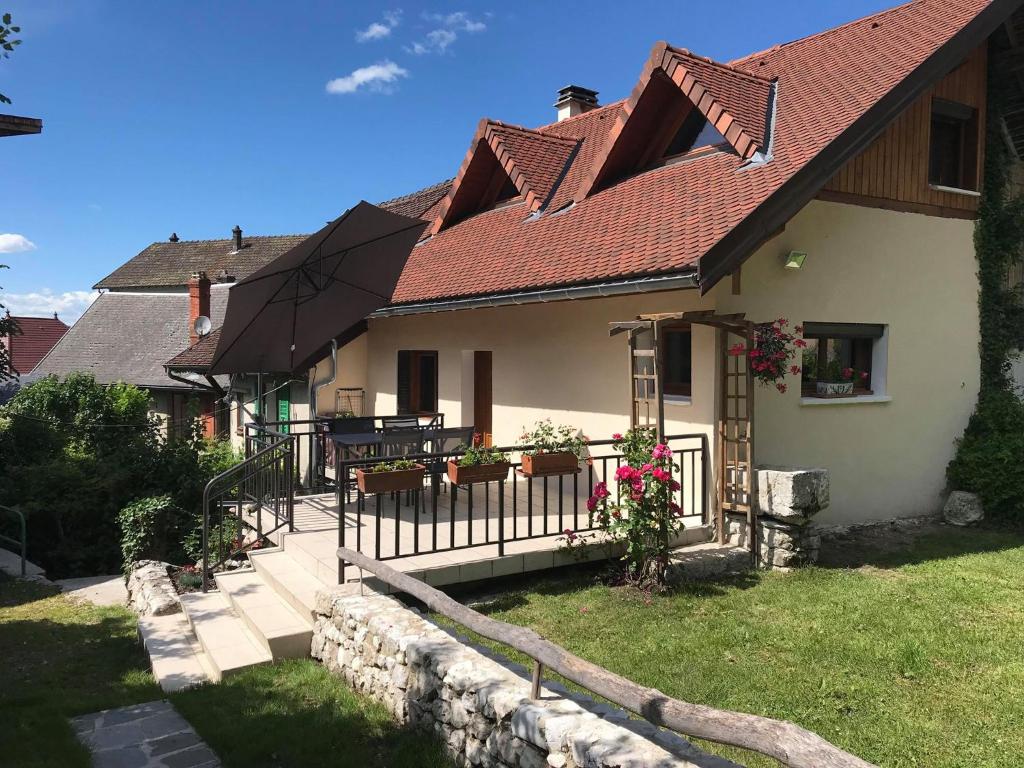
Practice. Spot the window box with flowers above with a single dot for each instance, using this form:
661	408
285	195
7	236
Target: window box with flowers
554	450
479	464
390	477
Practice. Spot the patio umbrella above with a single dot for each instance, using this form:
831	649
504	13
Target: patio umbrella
280	318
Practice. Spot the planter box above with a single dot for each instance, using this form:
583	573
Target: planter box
834	388
390	482
545	464
481	473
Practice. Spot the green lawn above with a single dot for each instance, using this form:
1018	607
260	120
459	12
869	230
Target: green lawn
59	659
913	660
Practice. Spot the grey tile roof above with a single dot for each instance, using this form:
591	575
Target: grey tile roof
416	203
169	265
128	337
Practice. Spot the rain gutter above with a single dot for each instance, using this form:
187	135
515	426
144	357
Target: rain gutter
594	291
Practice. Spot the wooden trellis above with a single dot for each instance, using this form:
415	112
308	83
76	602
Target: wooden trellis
736	482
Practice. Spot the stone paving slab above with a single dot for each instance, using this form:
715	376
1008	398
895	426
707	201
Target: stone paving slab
151	735
98	590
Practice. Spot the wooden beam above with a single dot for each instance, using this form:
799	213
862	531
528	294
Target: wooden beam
788	743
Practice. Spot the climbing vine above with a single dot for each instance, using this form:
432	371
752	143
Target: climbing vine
988	458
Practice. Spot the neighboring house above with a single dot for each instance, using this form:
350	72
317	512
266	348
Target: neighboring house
145	315
860	147
35	337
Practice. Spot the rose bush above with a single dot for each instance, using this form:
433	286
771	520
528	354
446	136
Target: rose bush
642	511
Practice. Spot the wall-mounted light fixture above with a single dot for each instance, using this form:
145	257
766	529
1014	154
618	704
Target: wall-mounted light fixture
794	260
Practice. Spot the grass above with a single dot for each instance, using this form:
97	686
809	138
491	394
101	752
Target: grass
913	659
61	658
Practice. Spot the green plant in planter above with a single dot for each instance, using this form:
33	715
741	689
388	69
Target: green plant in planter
545	437
395	465
477	455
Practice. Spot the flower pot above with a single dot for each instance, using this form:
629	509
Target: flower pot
544	464
834	388
479	473
392	481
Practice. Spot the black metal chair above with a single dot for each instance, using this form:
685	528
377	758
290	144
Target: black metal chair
353	425
397	443
445	441
400	422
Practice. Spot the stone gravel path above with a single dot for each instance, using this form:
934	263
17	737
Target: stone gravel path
149	735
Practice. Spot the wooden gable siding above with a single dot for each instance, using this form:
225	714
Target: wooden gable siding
893	171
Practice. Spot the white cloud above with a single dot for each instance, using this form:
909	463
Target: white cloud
376	77
449	25
69	305
378	30
11	243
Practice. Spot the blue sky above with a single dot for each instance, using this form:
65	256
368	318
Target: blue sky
193	117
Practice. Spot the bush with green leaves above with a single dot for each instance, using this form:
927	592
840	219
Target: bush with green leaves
989	459
153	528
74	453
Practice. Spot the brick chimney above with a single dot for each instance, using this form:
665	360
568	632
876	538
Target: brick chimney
198	302
237	234
575	100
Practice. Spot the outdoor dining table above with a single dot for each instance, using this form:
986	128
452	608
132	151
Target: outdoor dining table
352	442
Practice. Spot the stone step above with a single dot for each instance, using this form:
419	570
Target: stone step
708	559
278	627
10	563
176	659
297	586
227	642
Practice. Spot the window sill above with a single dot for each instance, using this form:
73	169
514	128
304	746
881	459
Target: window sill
856	400
678	400
954	190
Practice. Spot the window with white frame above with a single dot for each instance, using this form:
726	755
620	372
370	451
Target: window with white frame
843	360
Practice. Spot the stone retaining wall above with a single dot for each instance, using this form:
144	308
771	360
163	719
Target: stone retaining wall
150	591
479	704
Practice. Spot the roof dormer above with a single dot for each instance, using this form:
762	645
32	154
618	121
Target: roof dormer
504	162
682	102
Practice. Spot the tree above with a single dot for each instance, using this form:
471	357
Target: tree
7	43
8	327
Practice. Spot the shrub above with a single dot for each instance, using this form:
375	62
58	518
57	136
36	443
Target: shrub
989	456
642	512
153	528
225	538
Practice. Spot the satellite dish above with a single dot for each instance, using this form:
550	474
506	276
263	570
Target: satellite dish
202	325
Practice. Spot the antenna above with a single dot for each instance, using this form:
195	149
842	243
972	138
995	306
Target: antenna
202	325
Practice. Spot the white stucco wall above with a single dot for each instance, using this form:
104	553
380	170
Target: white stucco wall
913	273
916	275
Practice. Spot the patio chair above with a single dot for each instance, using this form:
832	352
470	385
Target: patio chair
400	422
402	442
352	425
445	441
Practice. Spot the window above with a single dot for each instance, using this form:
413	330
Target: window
842	352
676	360
417	381
953	146
695	132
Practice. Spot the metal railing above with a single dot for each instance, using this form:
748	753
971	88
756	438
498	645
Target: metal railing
491	512
22	541
255	496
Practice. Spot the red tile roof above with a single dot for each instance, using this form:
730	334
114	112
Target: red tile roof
664	220
36	337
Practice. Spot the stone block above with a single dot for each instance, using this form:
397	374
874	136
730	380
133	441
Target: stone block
963	508
793	495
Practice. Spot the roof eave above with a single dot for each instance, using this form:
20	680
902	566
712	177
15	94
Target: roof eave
741	242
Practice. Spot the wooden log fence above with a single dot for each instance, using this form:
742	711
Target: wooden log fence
787	742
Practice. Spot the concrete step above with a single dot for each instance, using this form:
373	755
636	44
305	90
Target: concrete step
708	559
227	642
10	563
278	627
297	586
174	653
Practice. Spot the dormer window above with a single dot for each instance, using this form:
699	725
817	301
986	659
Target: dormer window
695	132
953	146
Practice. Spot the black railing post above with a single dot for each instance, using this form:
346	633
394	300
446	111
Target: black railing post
501	518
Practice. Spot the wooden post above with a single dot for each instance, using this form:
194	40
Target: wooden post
723	354
538	671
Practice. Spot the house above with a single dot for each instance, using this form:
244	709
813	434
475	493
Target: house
833	181
35	337
146	314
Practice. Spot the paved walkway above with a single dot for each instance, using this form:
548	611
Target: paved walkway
98	590
149	735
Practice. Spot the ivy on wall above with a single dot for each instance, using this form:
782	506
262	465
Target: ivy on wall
989	459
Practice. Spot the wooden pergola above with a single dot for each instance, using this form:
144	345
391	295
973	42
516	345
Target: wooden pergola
736	481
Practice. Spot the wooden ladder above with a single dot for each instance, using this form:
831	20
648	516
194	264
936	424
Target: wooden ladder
648	408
